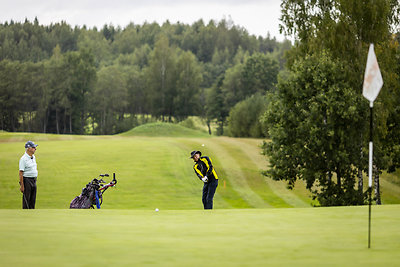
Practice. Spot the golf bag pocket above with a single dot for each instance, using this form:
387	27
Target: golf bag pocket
81	202
84	200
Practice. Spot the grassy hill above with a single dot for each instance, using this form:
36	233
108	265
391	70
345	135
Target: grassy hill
164	129
152	171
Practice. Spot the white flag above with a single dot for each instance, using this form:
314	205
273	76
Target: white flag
372	78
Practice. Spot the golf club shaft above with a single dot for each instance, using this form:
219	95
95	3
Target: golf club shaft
26	202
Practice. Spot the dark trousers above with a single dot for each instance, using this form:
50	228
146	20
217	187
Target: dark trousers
29	195
208	194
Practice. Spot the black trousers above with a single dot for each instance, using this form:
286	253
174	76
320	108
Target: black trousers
29	195
208	193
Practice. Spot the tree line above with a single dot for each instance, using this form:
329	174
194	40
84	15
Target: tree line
59	79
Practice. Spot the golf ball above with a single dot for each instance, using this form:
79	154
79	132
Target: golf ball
156	209
202	145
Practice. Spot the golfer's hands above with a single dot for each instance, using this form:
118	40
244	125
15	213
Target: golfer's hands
22	188
205	179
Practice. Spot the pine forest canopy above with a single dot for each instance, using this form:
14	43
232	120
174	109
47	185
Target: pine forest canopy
60	79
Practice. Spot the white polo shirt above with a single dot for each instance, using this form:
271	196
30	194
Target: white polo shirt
28	165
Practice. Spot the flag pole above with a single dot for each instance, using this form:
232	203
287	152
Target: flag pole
371	146
372	85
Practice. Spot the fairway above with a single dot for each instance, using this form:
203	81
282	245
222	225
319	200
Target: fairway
151	171
234	237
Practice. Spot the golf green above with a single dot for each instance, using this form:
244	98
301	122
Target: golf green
234	237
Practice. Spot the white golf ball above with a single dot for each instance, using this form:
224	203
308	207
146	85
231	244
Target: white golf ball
202	145
156	209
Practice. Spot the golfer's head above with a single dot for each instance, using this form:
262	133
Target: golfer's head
195	155
30	146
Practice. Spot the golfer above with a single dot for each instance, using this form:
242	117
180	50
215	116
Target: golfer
27	176
205	171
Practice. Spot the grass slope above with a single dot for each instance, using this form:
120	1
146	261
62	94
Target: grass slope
152	171
164	129
235	237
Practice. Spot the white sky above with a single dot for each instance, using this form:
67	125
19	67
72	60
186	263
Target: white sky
258	17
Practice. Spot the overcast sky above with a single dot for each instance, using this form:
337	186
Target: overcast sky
258	16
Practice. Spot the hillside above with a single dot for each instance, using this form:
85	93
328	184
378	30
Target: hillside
164	129
152	171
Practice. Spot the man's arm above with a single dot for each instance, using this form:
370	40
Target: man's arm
21	181
209	166
197	171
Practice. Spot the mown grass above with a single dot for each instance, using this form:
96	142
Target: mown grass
165	130
151	171
245	229
234	237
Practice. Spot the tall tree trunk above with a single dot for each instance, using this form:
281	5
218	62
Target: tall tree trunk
65	120
93	124
57	127
70	123
377	186
209	127
23	123
46	118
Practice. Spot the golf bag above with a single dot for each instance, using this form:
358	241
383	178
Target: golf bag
92	194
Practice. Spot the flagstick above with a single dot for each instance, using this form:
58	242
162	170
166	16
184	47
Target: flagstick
371	146
372	85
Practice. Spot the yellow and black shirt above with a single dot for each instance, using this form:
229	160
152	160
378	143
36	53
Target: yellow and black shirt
203	167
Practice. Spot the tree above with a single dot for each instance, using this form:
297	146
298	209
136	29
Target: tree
126	41
232	86
345	28
109	99
313	121
244	117
161	76
259	75
9	95
216	108
82	75
98	45
187	97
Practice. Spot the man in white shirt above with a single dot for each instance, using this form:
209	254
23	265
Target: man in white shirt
27	176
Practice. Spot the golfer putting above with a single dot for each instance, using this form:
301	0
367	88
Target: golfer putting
205	171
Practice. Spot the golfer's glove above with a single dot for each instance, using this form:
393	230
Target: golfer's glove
205	179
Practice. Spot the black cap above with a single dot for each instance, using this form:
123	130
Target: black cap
30	144
194	153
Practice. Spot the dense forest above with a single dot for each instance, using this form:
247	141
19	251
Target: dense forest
59	79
